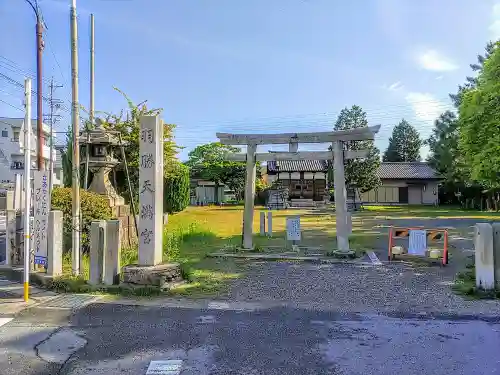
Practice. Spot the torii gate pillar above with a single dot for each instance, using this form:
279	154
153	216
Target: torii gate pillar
249	197
341	216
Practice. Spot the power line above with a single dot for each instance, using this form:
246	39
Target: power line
10	65
55	58
11	105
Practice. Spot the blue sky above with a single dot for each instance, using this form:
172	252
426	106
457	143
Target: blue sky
256	66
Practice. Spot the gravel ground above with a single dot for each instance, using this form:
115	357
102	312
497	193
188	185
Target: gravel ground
348	288
391	288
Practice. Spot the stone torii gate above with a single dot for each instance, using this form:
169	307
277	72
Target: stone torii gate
336	138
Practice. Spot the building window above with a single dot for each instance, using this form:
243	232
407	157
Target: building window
16	137
5	133
17	165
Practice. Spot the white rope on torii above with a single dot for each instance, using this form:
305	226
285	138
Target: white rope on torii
293	139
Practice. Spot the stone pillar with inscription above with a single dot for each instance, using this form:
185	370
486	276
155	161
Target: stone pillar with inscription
150	191
151	271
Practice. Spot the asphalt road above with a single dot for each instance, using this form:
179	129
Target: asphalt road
117	339
281	318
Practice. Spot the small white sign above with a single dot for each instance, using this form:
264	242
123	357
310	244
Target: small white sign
418	242
169	367
293	228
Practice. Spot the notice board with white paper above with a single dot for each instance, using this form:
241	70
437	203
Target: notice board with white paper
418	242
293	228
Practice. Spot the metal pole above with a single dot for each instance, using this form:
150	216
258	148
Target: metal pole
51	162
92	109
39	103
27	185
132	202
92	64
75	118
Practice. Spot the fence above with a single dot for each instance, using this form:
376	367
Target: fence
418	238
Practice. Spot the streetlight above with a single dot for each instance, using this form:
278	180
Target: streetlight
39	108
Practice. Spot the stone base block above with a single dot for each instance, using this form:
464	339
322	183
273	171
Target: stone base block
163	276
349	254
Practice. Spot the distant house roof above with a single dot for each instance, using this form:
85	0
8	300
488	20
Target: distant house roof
407	171
297	166
387	170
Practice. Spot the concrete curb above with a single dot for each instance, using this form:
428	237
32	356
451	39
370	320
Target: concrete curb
306	259
17	274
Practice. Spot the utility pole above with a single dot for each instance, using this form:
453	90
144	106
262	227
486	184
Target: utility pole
53	117
75	118
92	67
39	104
39	108
27	185
92	109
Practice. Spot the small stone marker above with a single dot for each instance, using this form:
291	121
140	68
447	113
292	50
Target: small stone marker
98	244
270	223
496	252
262	223
10	236
483	245
55	243
111	263
168	367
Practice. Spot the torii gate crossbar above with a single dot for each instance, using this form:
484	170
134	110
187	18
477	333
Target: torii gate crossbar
336	138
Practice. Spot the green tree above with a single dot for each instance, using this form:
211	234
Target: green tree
127	123
67	158
176	192
359	173
208	162
479	124
445	157
471	82
404	144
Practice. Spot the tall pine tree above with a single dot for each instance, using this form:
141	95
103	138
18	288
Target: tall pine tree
404	144
445	157
359	173
472	81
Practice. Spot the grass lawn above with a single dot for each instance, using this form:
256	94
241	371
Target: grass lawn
409	212
198	231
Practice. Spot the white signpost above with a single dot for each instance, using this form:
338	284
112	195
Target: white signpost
293	228
41	201
418	242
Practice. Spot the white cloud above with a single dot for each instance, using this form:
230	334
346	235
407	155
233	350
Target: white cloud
433	60
439	78
425	106
395	86
495	23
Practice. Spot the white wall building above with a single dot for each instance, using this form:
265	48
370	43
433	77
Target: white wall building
12	150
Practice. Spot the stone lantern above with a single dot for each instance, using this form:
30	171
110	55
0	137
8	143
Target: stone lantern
101	161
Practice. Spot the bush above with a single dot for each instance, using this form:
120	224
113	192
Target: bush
93	207
176	190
